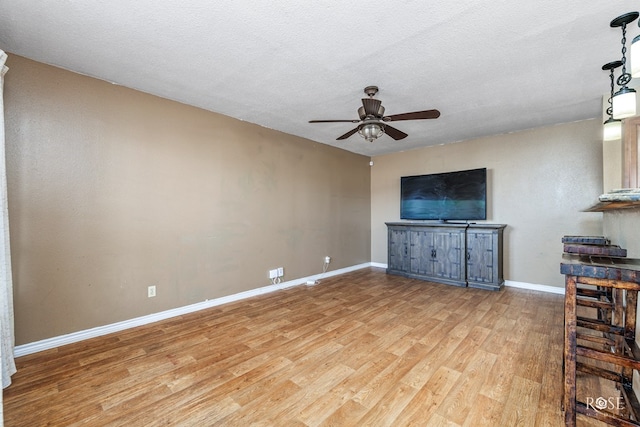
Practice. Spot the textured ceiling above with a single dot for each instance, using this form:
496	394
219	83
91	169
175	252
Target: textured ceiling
489	67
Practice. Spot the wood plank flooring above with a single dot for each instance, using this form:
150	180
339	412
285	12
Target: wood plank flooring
364	348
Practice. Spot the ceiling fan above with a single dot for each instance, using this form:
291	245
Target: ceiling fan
373	123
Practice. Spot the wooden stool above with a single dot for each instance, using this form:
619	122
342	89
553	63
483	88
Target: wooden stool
617	349
599	298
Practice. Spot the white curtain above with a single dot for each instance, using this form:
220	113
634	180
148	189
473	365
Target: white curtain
7	338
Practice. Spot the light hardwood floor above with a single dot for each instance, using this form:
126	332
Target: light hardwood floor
364	348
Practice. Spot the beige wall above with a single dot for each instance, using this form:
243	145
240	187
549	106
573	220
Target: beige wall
538	182
112	190
622	227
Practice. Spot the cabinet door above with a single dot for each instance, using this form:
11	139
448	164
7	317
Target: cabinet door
398	256
421	245
481	255
448	255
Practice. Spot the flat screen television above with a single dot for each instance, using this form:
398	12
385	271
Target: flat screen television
460	195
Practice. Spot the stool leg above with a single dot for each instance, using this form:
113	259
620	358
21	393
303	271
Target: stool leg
630	308
630	314
618	317
569	397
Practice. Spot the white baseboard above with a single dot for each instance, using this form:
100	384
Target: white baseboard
534	287
378	264
49	343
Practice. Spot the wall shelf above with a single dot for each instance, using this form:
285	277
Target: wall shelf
625	198
610	206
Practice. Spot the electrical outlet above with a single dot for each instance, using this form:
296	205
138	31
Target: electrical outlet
273	274
151	291
280	271
327	259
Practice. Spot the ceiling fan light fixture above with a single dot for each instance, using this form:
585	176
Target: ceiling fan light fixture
371	131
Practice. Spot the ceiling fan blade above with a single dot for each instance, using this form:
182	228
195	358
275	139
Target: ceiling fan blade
416	115
334	121
371	106
394	133
347	135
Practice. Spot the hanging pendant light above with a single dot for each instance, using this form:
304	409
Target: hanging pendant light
612	128
635	56
624	101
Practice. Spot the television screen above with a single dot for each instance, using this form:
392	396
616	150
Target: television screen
460	195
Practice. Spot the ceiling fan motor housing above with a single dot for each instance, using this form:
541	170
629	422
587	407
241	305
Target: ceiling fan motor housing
363	115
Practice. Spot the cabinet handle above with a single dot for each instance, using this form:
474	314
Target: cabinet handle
468	255
433	253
